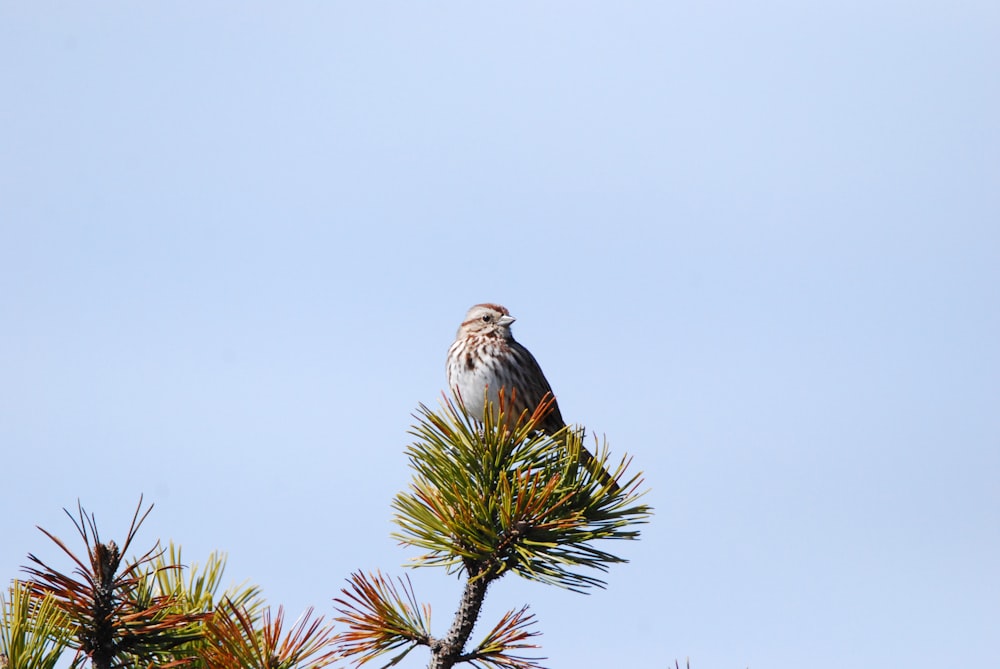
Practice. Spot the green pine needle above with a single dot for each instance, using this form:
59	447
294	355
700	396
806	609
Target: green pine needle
513	499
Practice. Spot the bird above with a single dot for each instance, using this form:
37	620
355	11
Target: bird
486	358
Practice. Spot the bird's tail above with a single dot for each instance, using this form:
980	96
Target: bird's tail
593	465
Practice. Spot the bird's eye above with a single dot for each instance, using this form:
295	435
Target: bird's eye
486	318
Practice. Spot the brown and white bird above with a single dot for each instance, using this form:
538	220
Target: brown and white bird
485	358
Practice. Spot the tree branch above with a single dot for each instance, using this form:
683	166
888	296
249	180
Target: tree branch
447	651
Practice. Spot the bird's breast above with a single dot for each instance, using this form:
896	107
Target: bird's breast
474	375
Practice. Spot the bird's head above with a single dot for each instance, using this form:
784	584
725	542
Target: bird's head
487	319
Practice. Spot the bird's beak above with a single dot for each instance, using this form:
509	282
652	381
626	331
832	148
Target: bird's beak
506	320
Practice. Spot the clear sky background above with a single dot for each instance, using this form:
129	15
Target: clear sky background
757	245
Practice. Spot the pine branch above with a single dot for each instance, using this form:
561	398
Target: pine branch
33	630
447	651
115	624
489	498
237	642
508	635
379	619
515	497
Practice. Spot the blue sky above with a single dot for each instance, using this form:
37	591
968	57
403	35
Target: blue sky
756	245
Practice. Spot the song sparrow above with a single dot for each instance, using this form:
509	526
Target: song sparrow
485	358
